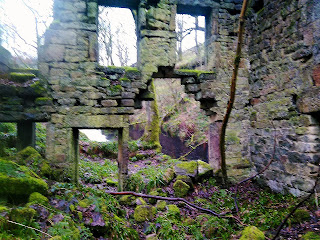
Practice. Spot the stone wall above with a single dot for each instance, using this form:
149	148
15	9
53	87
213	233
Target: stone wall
274	115
283	50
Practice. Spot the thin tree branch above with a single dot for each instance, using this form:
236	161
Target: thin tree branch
20	224
169	199
232	94
297	206
193	148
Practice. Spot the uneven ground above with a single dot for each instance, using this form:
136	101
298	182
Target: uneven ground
88	212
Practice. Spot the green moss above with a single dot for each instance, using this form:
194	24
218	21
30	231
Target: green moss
185	179
3	209
21	77
125	79
144	213
252	233
153	193
84	203
127	200
300	215
140	201
180	188
25	70
36	197
34	161
114	89
161	205
173	212
111	182
310	236
18	181
43	100
39	87
191	167
301	130
232	138
152	129
168	175
22	215
195	72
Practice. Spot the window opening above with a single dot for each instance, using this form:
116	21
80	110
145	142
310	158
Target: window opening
190	40
117	37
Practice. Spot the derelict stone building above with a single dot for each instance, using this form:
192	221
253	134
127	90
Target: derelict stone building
276	114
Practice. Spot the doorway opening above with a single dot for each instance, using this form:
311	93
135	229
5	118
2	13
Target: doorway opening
98	151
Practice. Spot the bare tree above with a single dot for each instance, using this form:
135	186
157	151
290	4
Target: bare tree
114	41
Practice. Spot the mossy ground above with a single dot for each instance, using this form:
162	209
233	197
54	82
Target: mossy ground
87	212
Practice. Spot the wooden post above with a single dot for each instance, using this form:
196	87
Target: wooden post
123	157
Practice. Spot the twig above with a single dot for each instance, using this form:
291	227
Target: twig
193	148
297	206
255	175
20	224
169	199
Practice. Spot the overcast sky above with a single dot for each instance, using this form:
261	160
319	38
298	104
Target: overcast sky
15	14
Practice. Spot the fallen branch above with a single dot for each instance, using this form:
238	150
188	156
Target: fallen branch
20	224
169	199
297	206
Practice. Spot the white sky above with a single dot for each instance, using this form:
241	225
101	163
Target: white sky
15	14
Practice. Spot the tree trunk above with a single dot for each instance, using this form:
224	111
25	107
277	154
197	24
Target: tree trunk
232	95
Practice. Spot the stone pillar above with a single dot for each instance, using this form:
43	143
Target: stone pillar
26	135
214	156
123	157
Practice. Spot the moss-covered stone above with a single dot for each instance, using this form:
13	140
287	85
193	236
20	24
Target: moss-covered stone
127	200
21	77
144	213
161	205
187	168
204	169
33	160
22	215
180	188
36	197
140	201
186	179
310	236
18	182
252	233
173	212
43	101
168	175
300	215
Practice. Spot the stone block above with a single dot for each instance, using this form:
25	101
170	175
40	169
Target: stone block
192	88
63	37
309	100
109	103
127	102
53	53
73	55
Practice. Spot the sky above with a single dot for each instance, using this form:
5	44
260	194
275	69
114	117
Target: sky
15	14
